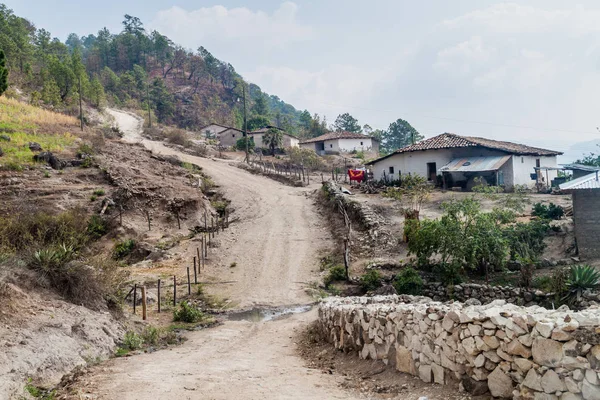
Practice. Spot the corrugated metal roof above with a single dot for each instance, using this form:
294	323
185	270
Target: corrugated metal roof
591	181
475	164
580	167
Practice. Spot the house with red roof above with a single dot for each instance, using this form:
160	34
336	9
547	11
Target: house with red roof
341	142
457	161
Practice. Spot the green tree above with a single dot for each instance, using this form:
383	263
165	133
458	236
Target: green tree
257	122
346	122
62	73
592	160
97	95
260	106
399	134
162	99
51	92
273	139
3	73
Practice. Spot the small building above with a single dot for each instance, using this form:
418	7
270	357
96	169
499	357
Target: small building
288	140
341	142
229	137
586	213
212	130
458	160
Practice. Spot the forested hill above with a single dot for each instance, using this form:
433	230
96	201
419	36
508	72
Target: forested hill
188	88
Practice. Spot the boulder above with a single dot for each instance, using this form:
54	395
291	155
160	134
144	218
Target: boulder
500	384
552	383
589	391
404	360
50	158
425	373
476	388
34	146
533	380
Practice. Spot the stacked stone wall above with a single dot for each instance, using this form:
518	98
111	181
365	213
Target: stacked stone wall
511	351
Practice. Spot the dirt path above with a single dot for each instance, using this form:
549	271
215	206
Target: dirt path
276	246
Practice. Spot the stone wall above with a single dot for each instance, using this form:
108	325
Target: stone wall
586	216
510	351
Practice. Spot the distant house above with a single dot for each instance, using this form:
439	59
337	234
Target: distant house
229	137
458	160
212	130
586	213
341	142
288	140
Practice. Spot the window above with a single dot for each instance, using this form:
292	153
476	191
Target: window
331	146
391	170
233	135
361	143
522	160
537	162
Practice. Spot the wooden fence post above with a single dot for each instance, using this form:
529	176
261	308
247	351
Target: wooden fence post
174	290
198	255
144	303
195	272
189	282
159	295
134	296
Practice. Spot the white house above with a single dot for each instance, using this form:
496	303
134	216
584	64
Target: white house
213	130
288	140
341	142
458	160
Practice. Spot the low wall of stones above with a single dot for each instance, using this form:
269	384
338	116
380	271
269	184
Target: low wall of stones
511	351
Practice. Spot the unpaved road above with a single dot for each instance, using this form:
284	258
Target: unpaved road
276	245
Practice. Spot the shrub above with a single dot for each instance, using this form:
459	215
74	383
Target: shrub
408	281
93	197
178	136
132	341
527	239
240	144
542	282
580	279
370	280
99	192
550	212
449	273
151	336
123	249
187	313
97	227
85	150
336	273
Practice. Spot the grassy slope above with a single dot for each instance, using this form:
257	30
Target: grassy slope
24	123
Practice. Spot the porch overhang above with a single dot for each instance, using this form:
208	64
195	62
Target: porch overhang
475	164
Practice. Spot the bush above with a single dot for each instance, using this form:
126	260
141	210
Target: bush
123	249
240	144
542	282
527	239
132	341
187	313
549	212
370	280
99	192
151	336
97	227
408	281
336	273
178	136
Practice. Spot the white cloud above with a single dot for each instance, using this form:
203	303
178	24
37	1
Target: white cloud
240	26
464	57
514	18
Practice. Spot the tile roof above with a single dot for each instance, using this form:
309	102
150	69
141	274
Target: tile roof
452	141
337	135
266	128
591	181
222	126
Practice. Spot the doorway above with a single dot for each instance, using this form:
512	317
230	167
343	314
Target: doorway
431	171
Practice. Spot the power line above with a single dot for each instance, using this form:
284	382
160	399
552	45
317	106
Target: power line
470	121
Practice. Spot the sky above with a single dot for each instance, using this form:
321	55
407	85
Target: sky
526	71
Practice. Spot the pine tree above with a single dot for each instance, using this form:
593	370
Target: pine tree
3	73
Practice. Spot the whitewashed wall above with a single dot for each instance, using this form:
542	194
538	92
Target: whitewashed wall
213	130
229	137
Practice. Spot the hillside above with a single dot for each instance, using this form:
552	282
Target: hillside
187	88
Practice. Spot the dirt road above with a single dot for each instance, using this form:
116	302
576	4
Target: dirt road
276	247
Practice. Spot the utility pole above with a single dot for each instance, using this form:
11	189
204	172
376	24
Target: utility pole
148	101
245	124
80	104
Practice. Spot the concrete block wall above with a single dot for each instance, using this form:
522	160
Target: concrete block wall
586	215
511	351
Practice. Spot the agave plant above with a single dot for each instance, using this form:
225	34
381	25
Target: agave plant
581	278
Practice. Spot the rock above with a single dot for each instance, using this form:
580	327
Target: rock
571	385
544	328
5	138
476	388
404	360
589	391
479	361
50	158
560	335
533	381
425	373
594	357
570	396
551	382
438	373
523	364
33	146
547	352
578	375
592	377
516	348
469	346
544	396
500	384
472	302
385	290
491	341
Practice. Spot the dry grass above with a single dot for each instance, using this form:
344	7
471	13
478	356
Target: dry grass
13	111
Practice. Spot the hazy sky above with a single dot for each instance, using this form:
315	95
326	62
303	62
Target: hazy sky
524	71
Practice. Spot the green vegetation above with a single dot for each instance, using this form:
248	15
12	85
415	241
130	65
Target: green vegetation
371	280
408	281
3	73
549	212
336	273
187	313
580	279
99	192
123	249
412	193
39	393
240	144
132	341
273	139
